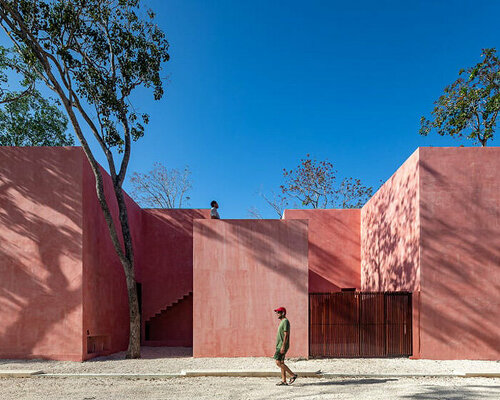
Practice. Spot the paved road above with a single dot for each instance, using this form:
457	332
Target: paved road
249	388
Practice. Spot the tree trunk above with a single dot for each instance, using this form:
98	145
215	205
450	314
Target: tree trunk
134	341
69	102
482	139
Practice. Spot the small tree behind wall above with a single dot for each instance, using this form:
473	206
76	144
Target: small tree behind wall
162	187
314	184
94	54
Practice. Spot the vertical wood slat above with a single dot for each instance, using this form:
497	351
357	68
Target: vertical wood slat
360	324
398	324
372	325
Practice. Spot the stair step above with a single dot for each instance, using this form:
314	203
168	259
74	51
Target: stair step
170	306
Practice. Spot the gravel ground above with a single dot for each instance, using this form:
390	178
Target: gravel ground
174	360
249	388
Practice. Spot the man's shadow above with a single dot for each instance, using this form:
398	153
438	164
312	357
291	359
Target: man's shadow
367	381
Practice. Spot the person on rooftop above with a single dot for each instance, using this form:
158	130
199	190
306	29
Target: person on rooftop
214	214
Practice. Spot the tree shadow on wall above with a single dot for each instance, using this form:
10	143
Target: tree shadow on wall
40	256
461	250
390	228
442	235
266	247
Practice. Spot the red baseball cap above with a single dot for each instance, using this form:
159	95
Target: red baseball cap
281	309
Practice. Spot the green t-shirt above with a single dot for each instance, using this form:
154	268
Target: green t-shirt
282	328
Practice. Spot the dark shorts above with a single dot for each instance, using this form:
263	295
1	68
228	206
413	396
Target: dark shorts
278	356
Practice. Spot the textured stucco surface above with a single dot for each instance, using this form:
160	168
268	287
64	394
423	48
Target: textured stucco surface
60	278
166	271
175	327
105	300
334	248
390	239
460	255
166	267
243	269
433	229
390	233
41	253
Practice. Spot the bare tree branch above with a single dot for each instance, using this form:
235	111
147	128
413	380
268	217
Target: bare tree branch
161	187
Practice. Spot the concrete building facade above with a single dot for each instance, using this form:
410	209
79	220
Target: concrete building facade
433	229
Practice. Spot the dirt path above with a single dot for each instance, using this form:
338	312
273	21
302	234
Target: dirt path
173	360
248	388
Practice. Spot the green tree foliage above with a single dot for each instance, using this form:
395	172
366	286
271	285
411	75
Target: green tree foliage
32	120
469	106
27	118
13	65
94	54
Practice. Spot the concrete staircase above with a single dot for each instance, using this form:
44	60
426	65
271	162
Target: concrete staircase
169	307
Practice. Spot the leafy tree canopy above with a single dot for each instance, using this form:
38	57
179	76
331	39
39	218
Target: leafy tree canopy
101	51
12	66
469	106
33	121
26	117
93	54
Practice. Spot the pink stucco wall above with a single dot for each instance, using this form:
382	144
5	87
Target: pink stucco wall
105	300
390	233
460	255
166	269
434	229
61	281
334	248
41	253
243	269
173	328
390	238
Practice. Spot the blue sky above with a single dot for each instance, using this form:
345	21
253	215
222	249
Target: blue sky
254	86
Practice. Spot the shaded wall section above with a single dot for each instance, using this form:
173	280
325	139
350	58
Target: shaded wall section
390	238
243	269
334	248
41	253
174	326
105	310
166	273
460	257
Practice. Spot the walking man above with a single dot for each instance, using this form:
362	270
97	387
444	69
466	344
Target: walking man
282	345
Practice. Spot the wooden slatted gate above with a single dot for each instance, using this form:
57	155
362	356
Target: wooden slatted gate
360	324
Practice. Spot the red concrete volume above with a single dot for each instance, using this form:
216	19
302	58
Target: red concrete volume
334	243
243	270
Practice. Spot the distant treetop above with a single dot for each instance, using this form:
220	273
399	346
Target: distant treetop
469	106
